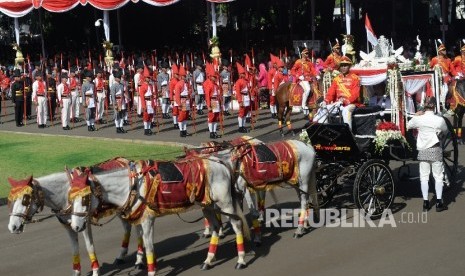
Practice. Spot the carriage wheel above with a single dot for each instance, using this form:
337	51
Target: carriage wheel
450	154
374	187
325	193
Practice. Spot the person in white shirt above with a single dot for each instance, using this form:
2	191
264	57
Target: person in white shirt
429	148
39	96
64	98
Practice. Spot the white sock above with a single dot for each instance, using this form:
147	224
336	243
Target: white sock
210	127
239	120
438	186
180	125
88	123
215	125
184	125
424	189
175	119
116	123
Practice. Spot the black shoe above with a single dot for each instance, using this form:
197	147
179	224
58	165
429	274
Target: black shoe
212	135
181	134
125	123
440	206
93	127
66	128
247	120
149	131
89	128
189	117
40	126
19	125
425	205
122	130
102	121
118	130
175	126
186	133
139	115
28	117
217	135
226	113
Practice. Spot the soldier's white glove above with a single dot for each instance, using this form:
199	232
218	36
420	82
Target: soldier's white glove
323	104
318	77
301	78
457	77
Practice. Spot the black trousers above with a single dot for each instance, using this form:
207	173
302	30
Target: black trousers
19	112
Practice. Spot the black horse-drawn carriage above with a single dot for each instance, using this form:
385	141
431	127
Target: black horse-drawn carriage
345	155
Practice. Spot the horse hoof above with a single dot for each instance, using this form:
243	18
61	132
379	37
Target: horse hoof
240	266
140	266
205	266
118	261
297	236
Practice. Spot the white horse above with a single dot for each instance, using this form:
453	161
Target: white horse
27	197
294	166
206	182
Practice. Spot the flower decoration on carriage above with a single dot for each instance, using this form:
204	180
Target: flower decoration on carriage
303	136
387	133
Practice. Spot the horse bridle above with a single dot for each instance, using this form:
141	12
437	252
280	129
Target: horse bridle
37	197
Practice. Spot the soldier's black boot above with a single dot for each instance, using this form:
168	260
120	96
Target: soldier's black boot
425	205
149	131
122	130
118	130
440	206
89	128
181	133
217	135
212	135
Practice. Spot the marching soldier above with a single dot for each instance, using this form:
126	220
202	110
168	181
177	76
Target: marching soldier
459	64
243	97
89	97
39	95
118	99
199	78
182	101
65	99
73	83
28	95
137	84
333	59
212	98
172	84
101	95
51	92
147	101
17	94
271	74
446	66
162	81
225	77
304	71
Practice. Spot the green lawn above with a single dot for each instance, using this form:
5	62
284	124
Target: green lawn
24	154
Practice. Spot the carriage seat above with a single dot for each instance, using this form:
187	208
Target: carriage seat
364	125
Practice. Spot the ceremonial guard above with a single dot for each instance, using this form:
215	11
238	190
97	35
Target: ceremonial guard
17	95
226	86
271	74
147	101
344	91
28	94
459	64
333	59
51	92
447	71
118	98
243	97
305	72
137	84
101	95
89	97
73	83
65	99
164	94
182	101
212	98
172	84
39	96
199	78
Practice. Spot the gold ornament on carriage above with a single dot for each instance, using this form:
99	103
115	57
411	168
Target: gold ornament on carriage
19	60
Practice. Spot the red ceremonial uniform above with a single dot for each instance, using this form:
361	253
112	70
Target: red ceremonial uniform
446	66
212	98
304	67
242	96
459	66
147	101
181	100
332	61
346	88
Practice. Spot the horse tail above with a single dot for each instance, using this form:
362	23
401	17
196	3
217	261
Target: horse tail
240	214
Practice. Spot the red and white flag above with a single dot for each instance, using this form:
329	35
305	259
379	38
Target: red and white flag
371	37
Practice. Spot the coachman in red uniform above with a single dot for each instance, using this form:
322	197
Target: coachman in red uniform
182	96
212	97
243	97
147	101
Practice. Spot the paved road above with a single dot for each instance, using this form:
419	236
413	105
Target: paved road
431	245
